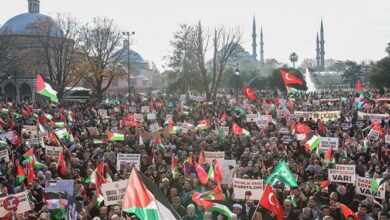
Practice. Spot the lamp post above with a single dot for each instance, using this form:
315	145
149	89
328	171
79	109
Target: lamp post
238	76
128	63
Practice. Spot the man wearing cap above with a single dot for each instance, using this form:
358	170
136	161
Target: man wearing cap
237	208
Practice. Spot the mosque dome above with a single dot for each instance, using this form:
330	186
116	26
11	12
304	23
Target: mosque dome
122	57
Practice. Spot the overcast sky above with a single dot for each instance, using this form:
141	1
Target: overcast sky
354	29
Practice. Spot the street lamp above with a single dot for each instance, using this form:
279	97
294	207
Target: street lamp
128	63
238	76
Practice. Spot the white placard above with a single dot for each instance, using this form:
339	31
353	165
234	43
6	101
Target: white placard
144	109
4	155
139	117
327	142
251	117
127	160
324	116
151	116
372	117
113	192
342	174
227	171
154	127
53	151
387	139
363	187
247	189
19	201
301	137
262	121
217	155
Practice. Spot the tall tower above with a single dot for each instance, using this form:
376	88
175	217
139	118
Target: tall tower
261	47
322	43
318	52
33	6
254	54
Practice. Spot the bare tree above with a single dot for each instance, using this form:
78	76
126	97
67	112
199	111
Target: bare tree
224	44
308	63
4	53
59	41
100	40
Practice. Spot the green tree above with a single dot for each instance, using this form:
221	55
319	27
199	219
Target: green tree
276	81
379	75
388	49
293	58
352	72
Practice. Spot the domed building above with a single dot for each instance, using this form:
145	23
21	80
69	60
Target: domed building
141	71
23	53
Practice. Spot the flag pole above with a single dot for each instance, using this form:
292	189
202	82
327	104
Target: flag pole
257	206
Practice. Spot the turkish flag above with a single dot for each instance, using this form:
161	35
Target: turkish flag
289	78
248	92
61	163
236	129
224	117
301	128
269	201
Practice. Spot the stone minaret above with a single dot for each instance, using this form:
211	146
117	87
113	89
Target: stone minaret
254	54
33	6
261	47
318	53
322	43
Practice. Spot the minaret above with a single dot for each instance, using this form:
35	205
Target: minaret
254	55
33	6
322	43
261	47
318	52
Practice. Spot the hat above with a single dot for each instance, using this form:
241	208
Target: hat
237	206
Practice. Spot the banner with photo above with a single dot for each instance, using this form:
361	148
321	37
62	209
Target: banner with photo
127	160
342	174
18	203
113	192
227	171
247	189
324	116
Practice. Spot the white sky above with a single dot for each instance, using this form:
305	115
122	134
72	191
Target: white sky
354	29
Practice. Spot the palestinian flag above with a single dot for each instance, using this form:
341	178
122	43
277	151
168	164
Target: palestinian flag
347	212
56	203
202	175
210	200
20	176
30	157
139	199
328	157
174	167
64	134
45	89
237	130
115	136
203	125
313	143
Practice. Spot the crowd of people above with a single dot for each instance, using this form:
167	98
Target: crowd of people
256	154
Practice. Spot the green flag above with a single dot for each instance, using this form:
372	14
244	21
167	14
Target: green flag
282	173
220	137
374	186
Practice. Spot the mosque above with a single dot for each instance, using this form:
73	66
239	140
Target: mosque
18	78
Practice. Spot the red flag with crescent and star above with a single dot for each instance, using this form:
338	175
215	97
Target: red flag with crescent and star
301	128
270	201
249	93
289	78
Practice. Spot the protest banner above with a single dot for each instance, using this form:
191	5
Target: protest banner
329	100
139	117
327	142
345	126
154	127
93	131
285	138
53	152
18	203
374	134
4	155
363	187
102	113
387	139
262	121
7	136
247	189
113	192
217	155
342	174
30	134
284	130
251	117
127	160
225	131
151	116
66	187
360	124
227	171
324	116
372	117
144	109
